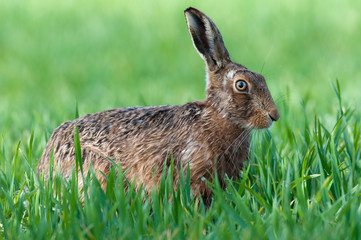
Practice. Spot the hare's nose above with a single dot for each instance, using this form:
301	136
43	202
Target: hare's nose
274	114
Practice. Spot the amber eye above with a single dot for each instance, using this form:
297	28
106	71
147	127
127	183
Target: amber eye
241	85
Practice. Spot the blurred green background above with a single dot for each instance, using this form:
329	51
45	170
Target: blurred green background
109	54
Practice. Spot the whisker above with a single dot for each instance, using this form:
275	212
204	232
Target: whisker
242	134
281	99
237	148
232	143
240	144
259	134
241	138
265	60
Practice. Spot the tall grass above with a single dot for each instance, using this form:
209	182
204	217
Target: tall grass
303	177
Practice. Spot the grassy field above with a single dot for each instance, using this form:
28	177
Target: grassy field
303	179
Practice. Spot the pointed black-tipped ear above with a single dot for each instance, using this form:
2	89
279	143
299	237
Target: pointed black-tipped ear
206	39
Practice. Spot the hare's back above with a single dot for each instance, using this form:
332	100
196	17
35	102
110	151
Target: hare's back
110	133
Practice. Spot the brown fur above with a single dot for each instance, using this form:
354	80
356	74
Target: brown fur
212	136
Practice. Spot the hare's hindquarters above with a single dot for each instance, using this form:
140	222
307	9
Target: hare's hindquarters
60	148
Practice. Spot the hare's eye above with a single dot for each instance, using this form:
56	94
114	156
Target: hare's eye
241	85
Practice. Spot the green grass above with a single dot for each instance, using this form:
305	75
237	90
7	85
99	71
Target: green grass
60	60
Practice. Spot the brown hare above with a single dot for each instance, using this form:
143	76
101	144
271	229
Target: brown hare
211	136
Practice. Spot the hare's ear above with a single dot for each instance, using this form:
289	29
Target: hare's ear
206	38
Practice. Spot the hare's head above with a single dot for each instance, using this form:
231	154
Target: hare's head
236	92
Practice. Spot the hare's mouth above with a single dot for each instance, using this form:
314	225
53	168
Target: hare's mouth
261	121
265	124
262	118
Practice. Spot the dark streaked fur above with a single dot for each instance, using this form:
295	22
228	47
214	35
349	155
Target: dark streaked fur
212	136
